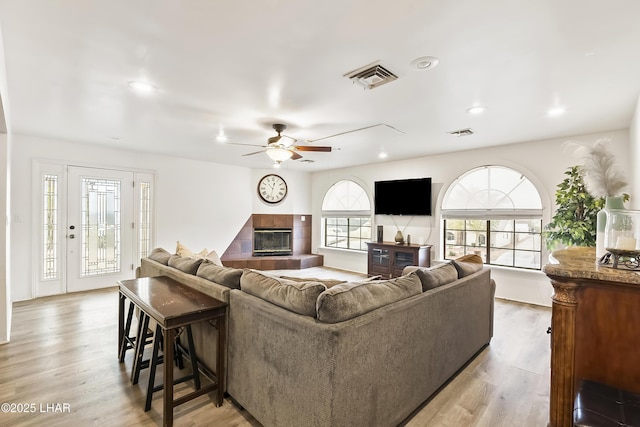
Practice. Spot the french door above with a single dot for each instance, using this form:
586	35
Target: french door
99	228
96	224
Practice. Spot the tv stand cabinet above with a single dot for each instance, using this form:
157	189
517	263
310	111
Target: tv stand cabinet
388	259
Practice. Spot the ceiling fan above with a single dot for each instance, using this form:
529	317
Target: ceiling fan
282	147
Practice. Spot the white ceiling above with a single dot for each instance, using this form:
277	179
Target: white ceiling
244	65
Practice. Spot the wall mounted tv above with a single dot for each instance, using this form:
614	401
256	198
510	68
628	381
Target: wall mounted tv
403	197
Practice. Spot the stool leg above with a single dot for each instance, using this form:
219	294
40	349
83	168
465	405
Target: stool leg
153	363
140	344
124	345
194	360
177	354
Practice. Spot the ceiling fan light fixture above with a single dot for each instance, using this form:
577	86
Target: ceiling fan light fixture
279	154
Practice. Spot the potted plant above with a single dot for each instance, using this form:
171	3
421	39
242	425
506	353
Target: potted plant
574	223
575	220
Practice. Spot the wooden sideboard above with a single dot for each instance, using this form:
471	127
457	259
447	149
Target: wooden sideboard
388	259
595	328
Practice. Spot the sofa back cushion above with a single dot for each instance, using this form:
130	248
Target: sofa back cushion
188	265
299	297
160	255
437	276
226	276
468	264
348	300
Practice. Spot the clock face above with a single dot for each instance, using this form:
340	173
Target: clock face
272	188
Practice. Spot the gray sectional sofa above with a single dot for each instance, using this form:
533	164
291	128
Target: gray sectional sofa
314	353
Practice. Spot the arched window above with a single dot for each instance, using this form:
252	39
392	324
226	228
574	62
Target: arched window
346	216
495	212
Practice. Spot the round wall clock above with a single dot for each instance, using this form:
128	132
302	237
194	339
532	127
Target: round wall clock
272	188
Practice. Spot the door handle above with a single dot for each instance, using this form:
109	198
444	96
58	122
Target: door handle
72	236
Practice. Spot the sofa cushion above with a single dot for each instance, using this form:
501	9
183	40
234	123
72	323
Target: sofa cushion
348	300
437	276
327	282
226	276
299	297
160	255
187	265
467	264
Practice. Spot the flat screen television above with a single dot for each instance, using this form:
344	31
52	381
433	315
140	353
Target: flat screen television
403	197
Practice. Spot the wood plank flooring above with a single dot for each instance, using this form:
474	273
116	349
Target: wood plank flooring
63	351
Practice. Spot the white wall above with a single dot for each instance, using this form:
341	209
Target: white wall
543	162
5	167
199	203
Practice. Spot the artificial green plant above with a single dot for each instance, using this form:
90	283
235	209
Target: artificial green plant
574	223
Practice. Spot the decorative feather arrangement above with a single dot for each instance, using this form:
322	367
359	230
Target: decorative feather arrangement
601	174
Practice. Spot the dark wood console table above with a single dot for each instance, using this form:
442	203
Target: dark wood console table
388	259
595	328
174	305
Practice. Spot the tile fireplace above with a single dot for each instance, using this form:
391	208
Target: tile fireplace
272	241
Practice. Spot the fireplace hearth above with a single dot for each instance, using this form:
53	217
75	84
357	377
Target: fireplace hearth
272	241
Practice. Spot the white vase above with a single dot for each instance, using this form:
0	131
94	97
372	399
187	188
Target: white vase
614	202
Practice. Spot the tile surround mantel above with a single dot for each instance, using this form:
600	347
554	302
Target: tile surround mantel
239	254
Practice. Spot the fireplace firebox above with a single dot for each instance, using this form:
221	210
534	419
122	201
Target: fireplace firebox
272	241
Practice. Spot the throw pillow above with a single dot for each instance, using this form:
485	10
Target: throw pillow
183	251
214	258
187	265
160	255
437	276
348	300
467	266
226	276
299	297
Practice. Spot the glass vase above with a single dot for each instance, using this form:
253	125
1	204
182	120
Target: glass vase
613	202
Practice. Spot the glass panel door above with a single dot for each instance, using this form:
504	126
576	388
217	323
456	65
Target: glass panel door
99	228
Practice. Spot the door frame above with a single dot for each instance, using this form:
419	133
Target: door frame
41	287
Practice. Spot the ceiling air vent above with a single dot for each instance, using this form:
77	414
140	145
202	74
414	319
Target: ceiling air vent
461	132
371	76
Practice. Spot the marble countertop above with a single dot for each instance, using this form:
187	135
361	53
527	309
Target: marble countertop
581	263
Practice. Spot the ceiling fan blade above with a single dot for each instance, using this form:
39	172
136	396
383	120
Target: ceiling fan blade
246	145
295	156
312	148
255	152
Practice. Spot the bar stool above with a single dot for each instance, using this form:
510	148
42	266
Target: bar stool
180	351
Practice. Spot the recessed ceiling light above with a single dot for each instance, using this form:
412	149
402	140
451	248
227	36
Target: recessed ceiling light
425	62
382	155
476	109
556	111
142	86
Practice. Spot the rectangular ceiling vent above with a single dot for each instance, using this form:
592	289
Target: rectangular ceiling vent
371	76
461	132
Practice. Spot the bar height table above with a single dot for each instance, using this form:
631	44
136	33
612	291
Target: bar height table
174	305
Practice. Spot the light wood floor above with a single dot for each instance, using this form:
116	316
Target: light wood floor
63	351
